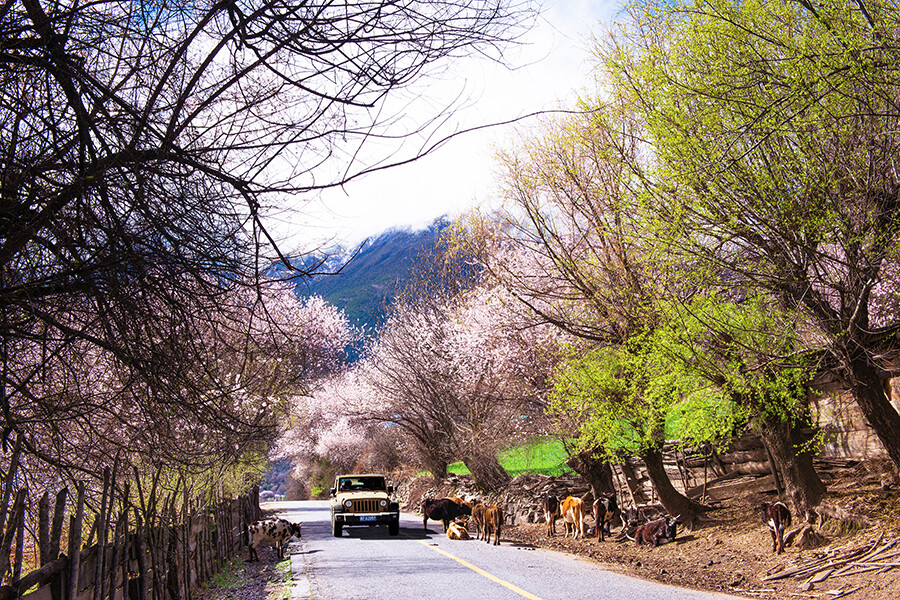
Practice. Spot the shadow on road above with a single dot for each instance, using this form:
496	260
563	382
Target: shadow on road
381	533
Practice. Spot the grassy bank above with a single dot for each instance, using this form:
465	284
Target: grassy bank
545	456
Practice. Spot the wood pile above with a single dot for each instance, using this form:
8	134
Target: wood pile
876	557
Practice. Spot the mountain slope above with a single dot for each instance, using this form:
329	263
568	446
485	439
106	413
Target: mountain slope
362	283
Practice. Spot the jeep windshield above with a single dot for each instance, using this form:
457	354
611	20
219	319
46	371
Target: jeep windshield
355	484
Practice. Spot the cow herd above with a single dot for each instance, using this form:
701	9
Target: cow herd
572	511
459	516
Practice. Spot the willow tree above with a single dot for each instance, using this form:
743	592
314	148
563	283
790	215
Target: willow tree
754	356
630	399
598	272
774	128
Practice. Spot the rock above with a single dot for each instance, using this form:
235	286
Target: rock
804	538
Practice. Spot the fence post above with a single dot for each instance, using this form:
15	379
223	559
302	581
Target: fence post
141	554
59	513
75	526
9	481
101	521
44	528
20	549
18	514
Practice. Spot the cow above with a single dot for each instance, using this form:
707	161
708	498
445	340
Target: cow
777	516
442	509
605	509
478	519
493	523
274	531
572	510
551	513
457	531
654	533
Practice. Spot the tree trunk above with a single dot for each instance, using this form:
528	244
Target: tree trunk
436	466
802	484
596	471
489	476
873	400
631	480
675	503
430	454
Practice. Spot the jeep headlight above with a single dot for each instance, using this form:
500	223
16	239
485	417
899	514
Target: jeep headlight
348	504
383	503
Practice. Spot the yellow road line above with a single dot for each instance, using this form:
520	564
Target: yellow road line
480	571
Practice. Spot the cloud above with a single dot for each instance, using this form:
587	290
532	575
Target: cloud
546	72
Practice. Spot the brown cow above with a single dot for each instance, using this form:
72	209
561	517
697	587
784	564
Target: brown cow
656	532
457	531
551	513
777	516
572	510
478	519
493	523
605	509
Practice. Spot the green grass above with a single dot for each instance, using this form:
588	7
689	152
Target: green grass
282	586
230	576
544	456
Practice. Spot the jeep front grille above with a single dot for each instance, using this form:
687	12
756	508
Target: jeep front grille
365	506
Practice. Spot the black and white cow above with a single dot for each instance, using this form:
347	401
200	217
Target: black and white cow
274	532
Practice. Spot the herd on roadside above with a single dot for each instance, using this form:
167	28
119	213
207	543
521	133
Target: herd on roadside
459	516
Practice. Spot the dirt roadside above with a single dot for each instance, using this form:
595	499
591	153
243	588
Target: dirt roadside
730	550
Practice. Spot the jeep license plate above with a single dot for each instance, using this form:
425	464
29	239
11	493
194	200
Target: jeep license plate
367	518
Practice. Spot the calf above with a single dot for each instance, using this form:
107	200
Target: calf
656	532
270	531
457	531
777	516
605	509
551	513
442	509
478	519
493	523
572	510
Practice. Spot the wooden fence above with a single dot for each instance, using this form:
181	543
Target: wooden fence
151	548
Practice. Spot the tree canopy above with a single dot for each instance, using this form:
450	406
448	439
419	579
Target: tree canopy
145	147
772	130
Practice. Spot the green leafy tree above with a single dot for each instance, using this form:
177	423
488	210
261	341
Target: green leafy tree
632	398
772	126
598	272
750	351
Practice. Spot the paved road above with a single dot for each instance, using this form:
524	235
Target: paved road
367	564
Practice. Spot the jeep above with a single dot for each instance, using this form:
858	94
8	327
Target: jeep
363	499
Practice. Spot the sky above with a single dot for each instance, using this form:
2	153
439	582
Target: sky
549	70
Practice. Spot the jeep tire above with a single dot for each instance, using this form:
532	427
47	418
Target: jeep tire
336	528
393	528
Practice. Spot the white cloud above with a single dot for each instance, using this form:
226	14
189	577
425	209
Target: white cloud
548	72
